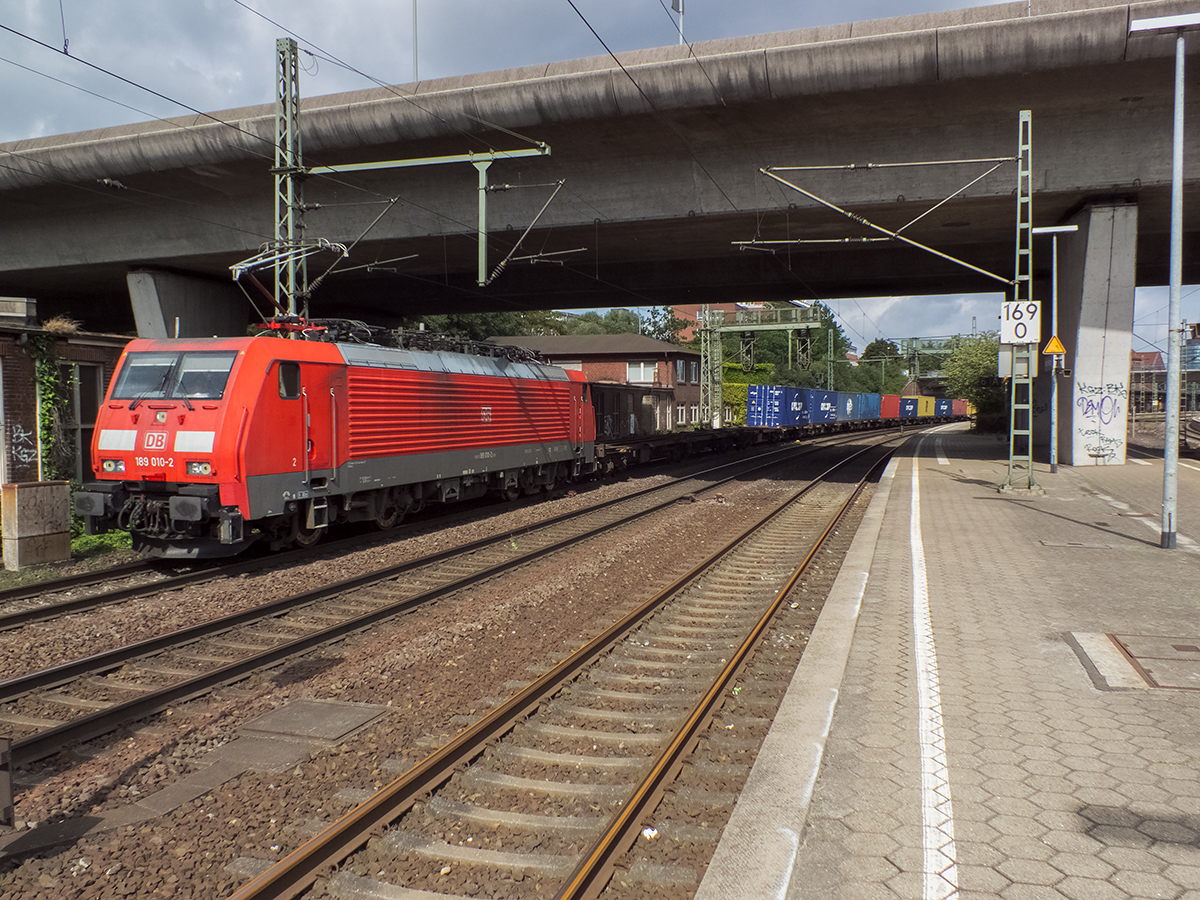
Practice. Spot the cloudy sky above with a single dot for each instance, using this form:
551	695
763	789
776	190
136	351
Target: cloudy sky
212	55
219	54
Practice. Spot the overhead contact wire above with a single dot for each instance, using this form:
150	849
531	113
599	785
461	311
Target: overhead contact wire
655	109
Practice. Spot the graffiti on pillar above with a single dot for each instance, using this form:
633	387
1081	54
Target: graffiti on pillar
24	445
1100	419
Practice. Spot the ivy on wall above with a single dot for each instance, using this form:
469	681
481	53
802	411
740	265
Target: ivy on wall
55	390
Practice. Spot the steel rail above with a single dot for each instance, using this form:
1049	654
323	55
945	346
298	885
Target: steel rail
57	675
214	570
592	874
83	579
325	851
46	743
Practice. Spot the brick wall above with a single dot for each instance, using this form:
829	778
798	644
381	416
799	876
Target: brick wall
20	411
20	432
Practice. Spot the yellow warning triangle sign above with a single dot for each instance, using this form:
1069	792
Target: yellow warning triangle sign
1054	346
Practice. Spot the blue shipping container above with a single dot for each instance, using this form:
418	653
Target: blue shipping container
822	406
847	406
762	405
869	406
943	407
754	406
793	411
908	407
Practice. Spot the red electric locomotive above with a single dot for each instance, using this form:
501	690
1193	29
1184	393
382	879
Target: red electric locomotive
203	447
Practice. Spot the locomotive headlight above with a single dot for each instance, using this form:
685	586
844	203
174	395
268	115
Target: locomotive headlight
113	465
199	468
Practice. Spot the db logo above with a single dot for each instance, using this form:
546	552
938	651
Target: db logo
156	440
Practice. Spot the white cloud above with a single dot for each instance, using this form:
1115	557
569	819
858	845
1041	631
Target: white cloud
215	54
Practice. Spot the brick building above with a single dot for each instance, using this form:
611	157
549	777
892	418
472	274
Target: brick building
89	359
689	314
662	380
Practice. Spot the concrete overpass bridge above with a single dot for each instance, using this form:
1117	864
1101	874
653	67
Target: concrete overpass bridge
661	160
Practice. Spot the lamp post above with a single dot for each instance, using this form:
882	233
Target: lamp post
1056	362
1179	25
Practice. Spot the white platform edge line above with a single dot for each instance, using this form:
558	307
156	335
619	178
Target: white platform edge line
756	854
937	814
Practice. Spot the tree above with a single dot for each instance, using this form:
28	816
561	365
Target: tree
771	347
883	367
481	326
660	323
970	374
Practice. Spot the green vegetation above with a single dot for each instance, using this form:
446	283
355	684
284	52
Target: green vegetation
882	368
85	546
659	323
481	326
55	386
735	396
970	373
881	365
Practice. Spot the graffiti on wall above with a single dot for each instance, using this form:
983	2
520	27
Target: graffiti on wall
24	445
1100	419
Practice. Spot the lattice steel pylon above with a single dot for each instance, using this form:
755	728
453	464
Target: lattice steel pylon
291	270
1024	356
712	398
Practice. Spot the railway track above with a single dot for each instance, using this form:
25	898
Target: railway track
59	707
544	795
72	594
53	598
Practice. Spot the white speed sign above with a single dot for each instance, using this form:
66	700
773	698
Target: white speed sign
1021	322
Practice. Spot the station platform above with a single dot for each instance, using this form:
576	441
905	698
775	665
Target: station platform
1001	697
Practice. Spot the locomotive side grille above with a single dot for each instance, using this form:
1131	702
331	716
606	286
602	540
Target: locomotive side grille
415	412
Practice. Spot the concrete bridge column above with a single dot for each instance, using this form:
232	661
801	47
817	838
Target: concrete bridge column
1095	324
203	308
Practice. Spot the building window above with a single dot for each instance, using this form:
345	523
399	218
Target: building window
642	372
680	371
680	413
695	373
695	412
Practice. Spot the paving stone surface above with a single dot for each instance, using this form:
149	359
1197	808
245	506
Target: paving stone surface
1059	789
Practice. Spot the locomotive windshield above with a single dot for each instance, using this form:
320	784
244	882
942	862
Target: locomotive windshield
163	376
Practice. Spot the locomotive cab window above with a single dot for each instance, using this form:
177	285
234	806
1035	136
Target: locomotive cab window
289	380
144	374
164	376
202	376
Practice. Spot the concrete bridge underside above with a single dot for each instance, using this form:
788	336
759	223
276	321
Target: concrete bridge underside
661	178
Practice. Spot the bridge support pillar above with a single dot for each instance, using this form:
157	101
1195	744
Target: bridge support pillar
1095	324
201	307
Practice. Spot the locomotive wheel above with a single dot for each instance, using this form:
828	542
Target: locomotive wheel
389	518
306	538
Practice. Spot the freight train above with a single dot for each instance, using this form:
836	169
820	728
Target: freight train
204	447
813	410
